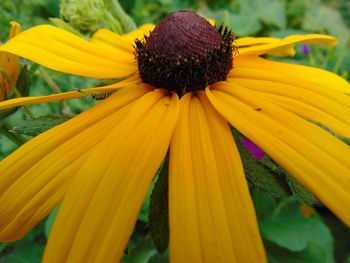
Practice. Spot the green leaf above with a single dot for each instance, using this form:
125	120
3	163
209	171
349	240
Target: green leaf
260	177
24	81
305	195
144	213
50	220
242	25
33	127
142	251
341	235
264	204
288	228
27	250
313	253
271	12
265	176
326	19
158	216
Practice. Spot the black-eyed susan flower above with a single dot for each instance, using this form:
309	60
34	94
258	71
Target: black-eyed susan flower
189	81
9	68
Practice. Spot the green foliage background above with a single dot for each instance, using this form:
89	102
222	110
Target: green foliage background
289	235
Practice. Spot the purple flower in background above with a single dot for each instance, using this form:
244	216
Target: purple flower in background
252	148
305	49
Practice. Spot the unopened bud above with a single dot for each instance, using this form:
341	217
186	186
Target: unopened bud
87	16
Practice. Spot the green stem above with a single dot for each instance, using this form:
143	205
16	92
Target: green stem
341	56
50	82
312	60
26	109
127	23
53	86
4	129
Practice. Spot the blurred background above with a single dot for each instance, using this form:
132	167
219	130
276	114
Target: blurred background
293	232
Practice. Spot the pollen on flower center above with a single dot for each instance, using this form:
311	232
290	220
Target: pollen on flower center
184	53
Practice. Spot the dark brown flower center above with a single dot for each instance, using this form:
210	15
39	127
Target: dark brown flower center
185	53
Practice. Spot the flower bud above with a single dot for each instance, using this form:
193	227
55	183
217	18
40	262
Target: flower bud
87	16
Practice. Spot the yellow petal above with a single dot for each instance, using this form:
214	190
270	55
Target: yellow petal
285	44
28	201
9	67
60	50
99	212
35	177
308	104
139	33
125	42
288	78
338	123
12	62
112	41
312	93
314	157
211	21
253	41
41	99
245	42
212	218
128	83
324	78
15	29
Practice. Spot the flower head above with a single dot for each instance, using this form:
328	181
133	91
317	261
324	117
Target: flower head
101	163
185	53
9	68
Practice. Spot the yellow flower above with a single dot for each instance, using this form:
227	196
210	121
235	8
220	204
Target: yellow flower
9	67
100	164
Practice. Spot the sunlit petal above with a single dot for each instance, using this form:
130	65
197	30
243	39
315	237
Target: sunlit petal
60	50
286	42
41	178
126	42
212	218
316	158
129	83
322	77
99	212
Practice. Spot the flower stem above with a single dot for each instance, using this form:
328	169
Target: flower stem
4	129
127	23
53	86
26	109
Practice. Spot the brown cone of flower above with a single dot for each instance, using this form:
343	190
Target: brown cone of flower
185	53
